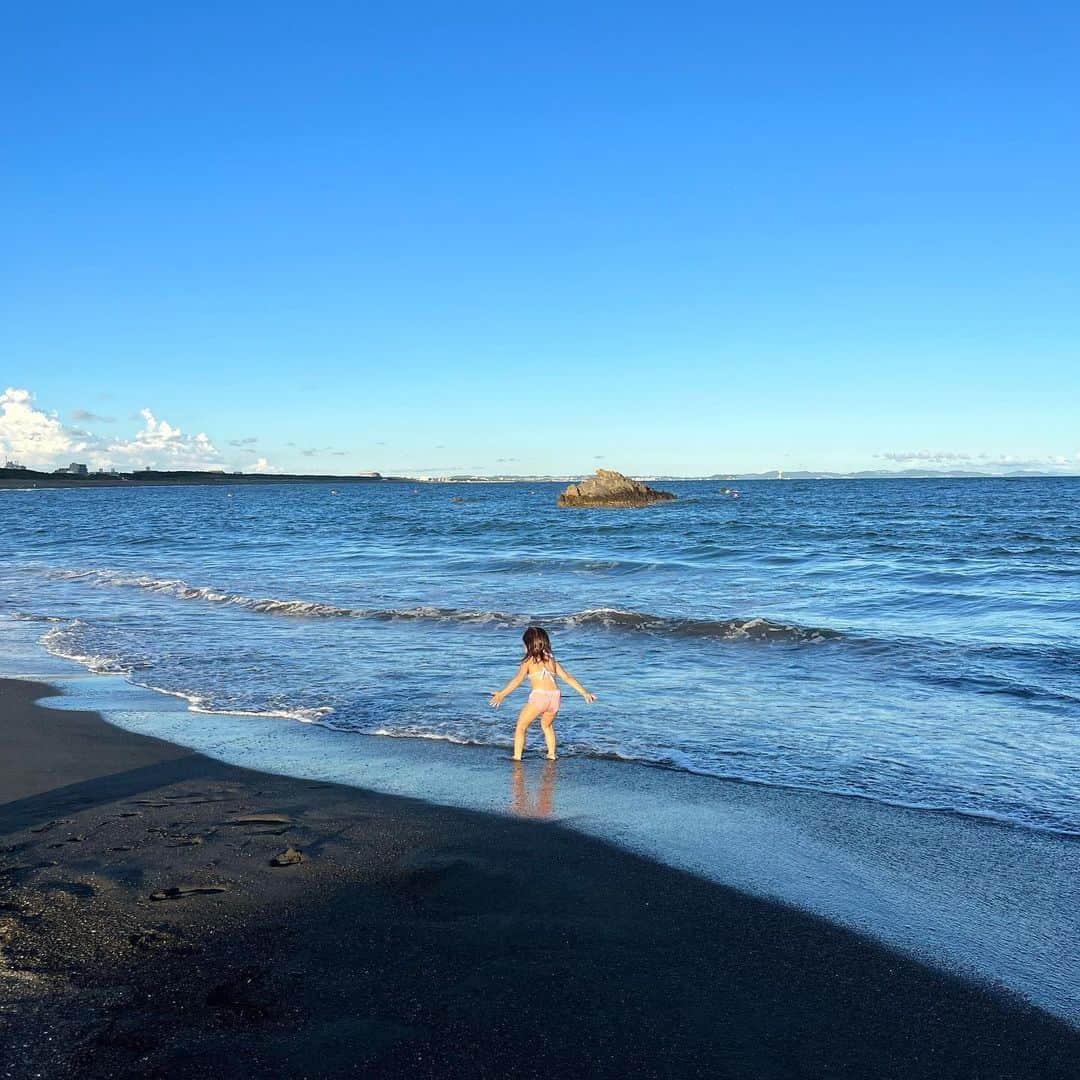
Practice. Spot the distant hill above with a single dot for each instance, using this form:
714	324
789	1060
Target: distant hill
885	474
29	478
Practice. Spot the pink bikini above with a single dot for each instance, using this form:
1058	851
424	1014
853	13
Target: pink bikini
546	701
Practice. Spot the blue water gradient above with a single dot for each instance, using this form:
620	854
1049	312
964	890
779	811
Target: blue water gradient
911	642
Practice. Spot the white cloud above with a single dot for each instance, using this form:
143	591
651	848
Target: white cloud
28	434
160	445
980	462
38	439
934	457
263	466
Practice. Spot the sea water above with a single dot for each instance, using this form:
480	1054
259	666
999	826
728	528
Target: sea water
914	642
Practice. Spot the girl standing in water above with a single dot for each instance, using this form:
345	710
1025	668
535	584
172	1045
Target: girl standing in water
541	667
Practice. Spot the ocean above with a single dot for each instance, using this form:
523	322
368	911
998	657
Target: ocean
910	642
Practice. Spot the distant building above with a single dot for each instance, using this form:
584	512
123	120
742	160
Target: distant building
9	464
371	475
76	468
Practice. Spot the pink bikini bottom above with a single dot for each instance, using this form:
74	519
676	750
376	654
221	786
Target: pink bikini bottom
547	701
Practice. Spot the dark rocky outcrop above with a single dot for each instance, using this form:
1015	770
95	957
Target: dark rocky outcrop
612	489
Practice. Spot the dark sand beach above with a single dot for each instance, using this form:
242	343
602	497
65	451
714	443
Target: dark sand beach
144	932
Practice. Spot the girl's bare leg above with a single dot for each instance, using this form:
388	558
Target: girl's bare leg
547	725
527	715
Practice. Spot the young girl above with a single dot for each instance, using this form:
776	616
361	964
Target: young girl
540	665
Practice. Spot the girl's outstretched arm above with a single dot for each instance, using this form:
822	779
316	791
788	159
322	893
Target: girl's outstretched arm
510	687
568	678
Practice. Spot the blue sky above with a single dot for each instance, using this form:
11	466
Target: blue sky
473	237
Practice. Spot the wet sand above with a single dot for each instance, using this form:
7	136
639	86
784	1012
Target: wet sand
145	932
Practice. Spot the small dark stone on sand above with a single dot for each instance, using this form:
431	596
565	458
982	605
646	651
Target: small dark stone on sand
78	838
289	857
122	847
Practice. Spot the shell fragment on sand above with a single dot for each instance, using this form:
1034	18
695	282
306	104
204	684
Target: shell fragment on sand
289	857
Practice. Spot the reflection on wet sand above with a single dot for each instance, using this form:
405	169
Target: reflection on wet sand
521	802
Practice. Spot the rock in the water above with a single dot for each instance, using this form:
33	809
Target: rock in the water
289	857
608	488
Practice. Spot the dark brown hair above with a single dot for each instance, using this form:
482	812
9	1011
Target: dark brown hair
537	645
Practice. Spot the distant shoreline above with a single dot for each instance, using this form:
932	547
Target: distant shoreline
29	478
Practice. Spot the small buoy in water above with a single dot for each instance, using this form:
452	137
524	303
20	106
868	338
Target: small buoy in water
333	491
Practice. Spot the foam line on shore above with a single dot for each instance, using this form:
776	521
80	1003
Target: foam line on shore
54	640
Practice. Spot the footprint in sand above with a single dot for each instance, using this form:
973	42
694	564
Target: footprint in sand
175	892
261	819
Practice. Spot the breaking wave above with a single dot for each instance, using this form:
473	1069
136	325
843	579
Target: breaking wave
732	629
62	641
